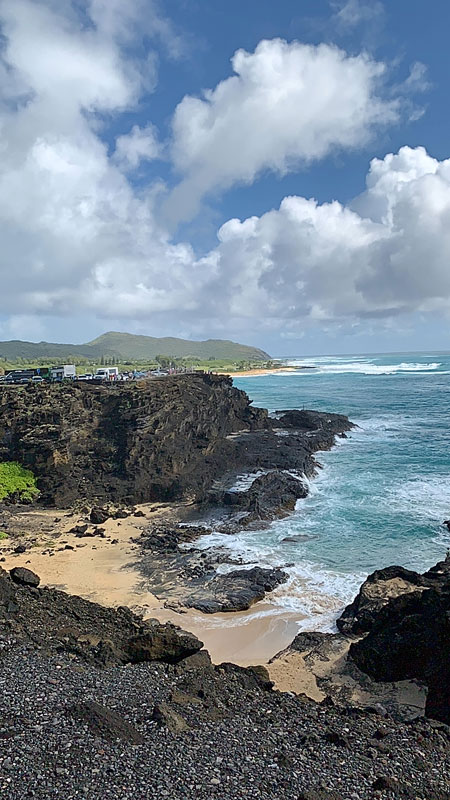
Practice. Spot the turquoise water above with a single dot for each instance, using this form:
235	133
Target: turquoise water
382	494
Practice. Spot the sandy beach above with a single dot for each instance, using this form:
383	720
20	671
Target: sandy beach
103	570
93	568
248	373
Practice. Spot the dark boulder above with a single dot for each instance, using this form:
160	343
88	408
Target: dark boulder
98	515
104	723
271	495
79	530
376	591
304	420
24	576
410	638
58	622
159	642
235	591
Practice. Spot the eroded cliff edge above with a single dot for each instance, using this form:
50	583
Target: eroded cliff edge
151	440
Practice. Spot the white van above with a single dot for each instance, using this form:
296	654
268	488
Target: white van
107	373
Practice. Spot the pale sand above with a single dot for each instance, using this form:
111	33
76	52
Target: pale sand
290	674
243	637
324	671
103	573
95	569
249	372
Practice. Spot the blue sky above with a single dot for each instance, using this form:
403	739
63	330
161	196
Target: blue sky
130	199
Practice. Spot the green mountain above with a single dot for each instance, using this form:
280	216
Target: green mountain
127	346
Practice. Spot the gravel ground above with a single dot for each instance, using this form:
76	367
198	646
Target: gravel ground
239	739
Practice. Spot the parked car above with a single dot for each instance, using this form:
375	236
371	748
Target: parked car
37	379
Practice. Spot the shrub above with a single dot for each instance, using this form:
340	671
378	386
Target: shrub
17	482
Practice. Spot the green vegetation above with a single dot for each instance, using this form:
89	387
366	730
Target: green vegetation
18	481
143	365
126	346
3	535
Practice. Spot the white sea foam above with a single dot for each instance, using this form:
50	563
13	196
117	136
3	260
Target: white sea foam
311	590
428	499
386	424
362	367
244	481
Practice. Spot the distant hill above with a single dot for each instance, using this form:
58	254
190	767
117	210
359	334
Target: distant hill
127	346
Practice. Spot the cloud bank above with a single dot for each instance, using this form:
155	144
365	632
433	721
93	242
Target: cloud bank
78	237
287	105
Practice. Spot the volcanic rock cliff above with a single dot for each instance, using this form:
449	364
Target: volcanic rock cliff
140	441
150	440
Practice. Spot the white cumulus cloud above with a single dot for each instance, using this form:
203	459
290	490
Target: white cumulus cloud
288	104
387	255
79	238
141	144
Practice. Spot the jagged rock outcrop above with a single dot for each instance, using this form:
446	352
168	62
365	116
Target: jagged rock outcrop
236	590
58	622
148	440
409	637
312	421
271	495
375	593
384	585
134	442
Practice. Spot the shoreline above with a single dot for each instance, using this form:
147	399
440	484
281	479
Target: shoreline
248	373
136	558
105	573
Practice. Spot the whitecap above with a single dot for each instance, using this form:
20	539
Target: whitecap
360	365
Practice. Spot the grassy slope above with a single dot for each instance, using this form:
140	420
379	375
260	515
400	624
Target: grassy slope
128	346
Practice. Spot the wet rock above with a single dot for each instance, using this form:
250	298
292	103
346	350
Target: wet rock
305	420
105	723
235	591
271	495
24	576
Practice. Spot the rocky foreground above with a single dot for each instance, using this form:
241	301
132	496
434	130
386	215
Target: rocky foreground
97	703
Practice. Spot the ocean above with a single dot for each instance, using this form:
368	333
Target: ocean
382	494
